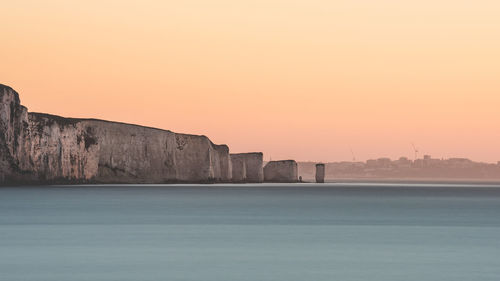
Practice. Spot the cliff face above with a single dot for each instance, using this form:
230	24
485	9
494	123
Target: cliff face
248	167
13	127
281	171
41	148
239	168
129	153
57	148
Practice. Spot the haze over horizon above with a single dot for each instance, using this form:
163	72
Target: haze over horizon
304	80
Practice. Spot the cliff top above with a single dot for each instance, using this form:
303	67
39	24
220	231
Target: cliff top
70	121
247	153
4	88
282	161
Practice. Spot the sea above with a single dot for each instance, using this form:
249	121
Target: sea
255	232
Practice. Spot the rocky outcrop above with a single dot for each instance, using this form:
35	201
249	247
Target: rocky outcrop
320	173
281	171
239	172
13	128
42	148
247	167
59	149
133	153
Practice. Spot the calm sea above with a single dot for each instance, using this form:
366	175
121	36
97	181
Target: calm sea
251	232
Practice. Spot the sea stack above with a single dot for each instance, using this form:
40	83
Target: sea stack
320	173
247	167
281	171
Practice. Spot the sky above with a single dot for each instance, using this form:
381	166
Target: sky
305	80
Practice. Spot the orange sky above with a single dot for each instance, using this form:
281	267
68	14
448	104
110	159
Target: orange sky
305	79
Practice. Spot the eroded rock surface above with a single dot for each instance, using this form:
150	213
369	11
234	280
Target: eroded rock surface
42	148
320	173
281	171
247	167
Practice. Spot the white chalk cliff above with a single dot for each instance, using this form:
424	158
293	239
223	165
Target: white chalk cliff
42	148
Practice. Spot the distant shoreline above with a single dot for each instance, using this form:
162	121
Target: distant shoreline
307	184
415	180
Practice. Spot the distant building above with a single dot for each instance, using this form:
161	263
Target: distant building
402	162
384	163
460	162
429	161
402	168
371	163
418	163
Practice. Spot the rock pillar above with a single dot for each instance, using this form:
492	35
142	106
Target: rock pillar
320	173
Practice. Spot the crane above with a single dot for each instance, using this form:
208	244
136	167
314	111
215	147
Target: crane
352	153
415	150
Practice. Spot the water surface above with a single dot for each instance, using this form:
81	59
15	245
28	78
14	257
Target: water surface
251	232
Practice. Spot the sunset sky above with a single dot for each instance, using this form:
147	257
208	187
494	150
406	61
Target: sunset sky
304	80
